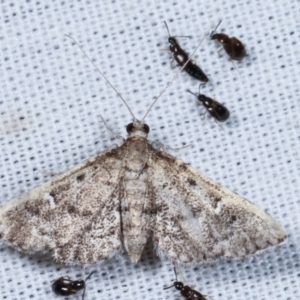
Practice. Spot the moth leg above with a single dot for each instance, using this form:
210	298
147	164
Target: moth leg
161	147
117	136
158	145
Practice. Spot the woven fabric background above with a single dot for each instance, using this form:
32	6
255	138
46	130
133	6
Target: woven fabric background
51	102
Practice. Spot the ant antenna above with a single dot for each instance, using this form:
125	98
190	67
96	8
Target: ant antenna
168	287
170	83
102	75
84	284
192	93
175	272
183	36
215	28
167	28
200	86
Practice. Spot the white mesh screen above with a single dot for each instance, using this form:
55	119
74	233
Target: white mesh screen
51	100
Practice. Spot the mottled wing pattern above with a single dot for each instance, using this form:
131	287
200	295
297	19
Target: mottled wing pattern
76	216
198	219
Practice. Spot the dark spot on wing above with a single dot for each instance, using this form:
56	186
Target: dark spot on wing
191	181
280	240
33	210
57	192
80	177
88	227
52	195
71	209
215	201
183	166
61	188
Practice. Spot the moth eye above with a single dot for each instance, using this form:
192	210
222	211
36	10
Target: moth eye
146	128
129	127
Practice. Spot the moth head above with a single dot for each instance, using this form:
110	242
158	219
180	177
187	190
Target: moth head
138	128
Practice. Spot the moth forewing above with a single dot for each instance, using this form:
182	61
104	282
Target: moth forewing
69	214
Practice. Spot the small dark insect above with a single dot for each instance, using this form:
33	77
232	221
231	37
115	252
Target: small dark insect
233	47
218	111
186	291
64	286
182	57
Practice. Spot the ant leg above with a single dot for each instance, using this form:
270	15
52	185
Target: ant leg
161	147
220	50
205	114
218	124
201	85
235	66
171	62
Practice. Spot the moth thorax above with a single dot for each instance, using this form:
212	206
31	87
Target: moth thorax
138	128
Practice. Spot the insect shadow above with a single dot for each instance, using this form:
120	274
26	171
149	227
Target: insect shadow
64	286
182	58
217	110
186	291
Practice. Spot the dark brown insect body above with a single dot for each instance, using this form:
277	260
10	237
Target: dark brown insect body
233	47
186	291
64	286
181	57
217	110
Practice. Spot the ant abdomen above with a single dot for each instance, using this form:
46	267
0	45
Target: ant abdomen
196	72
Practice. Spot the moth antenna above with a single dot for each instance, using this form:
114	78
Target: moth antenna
170	83
118	94
216	28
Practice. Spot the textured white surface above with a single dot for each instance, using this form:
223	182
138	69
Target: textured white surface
51	99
